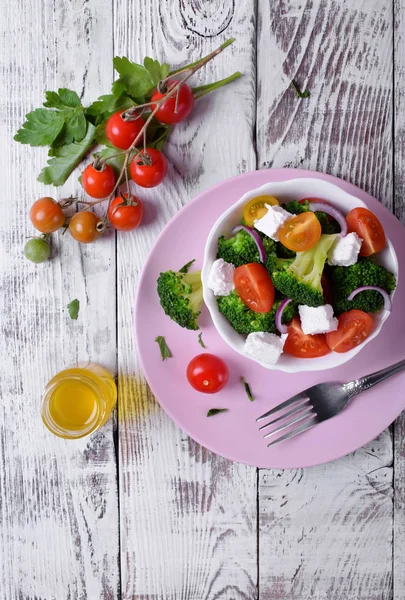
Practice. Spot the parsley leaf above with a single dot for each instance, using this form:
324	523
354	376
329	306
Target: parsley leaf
200	341
63	99
41	127
61	122
298	93
164	349
73	308
106	105
186	267
155	69
134	79
247	389
216	411
116	162
65	159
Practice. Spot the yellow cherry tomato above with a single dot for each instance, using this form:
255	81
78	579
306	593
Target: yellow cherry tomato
256	208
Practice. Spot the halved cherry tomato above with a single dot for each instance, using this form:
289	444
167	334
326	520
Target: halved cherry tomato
304	346
254	286
354	327
301	232
367	226
256	209
207	373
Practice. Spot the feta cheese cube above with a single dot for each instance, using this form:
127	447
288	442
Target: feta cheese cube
345	250
271	222
265	347
317	320
220	278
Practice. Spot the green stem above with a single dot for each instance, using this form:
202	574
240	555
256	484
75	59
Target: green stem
202	90
193	64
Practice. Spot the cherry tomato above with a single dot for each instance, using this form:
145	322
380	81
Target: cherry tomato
168	112
37	250
301	232
125	217
83	226
367	226
254	286
46	215
150	171
207	373
122	133
353	328
304	346
98	183
256	209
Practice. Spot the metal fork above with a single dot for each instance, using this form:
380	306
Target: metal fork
318	403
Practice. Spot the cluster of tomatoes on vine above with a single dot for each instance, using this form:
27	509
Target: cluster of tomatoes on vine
147	168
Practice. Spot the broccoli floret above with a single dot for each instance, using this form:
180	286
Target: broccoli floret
365	272
283	252
328	226
241	249
244	320
181	297
300	279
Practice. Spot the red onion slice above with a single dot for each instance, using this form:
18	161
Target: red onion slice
256	238
384	294
279	313
333	212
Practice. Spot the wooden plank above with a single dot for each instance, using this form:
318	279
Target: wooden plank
58	499
399	207
188	517
326	533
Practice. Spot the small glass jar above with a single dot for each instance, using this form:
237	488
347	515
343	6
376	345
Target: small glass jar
78	401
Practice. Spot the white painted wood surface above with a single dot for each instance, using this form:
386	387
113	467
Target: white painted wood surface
190	525
58	499
188	517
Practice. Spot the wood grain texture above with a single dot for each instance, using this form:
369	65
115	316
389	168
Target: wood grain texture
58	499
326	533
188	517
342	52
399	206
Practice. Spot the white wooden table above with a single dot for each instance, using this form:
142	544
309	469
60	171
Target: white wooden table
139	510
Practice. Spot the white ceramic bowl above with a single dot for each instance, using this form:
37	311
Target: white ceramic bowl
284	191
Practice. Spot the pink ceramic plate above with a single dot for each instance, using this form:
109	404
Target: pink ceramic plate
235	434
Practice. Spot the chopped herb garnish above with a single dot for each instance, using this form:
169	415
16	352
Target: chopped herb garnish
247	389
216	411
73	308
186	266
200	341
298	93
164	349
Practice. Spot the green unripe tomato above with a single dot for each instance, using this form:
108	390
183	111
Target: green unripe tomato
37	250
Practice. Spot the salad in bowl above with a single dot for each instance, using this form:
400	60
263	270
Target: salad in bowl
299	275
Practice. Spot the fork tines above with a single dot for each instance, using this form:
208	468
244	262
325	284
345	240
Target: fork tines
300	417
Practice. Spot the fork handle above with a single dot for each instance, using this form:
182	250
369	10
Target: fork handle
368	381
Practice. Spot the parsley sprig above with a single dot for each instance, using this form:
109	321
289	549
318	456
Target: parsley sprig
71	130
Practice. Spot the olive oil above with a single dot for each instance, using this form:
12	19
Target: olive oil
78	401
